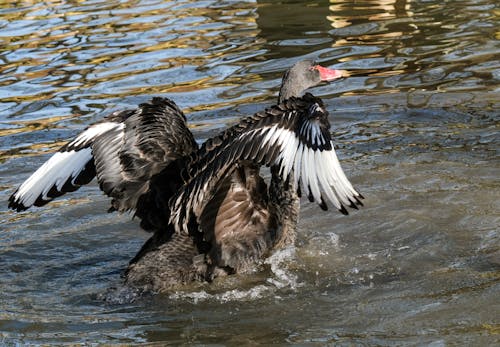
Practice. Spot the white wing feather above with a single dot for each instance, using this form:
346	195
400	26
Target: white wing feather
61	167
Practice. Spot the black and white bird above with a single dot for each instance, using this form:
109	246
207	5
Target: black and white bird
210	210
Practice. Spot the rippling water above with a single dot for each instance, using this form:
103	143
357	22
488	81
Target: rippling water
416	126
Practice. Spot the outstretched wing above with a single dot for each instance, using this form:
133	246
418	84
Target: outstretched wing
127	151
294	135
127	159
67	170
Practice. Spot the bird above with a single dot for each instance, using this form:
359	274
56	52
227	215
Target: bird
209	208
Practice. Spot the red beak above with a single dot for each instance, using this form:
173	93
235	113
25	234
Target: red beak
326	74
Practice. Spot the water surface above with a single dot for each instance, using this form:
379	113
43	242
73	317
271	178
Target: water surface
416	127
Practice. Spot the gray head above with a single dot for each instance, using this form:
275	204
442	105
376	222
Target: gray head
303	75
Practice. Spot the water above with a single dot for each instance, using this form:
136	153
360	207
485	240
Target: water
416	126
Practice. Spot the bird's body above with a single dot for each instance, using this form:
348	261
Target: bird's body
210	210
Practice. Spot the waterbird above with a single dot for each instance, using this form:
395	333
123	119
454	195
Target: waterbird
209	208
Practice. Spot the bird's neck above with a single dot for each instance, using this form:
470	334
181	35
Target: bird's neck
287	93
291	86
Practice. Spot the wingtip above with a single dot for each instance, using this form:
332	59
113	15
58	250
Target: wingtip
15	205
353	205
323	205
358	201
343	210
310	197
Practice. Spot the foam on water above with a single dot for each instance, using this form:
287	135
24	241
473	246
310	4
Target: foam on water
281	277
253	293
